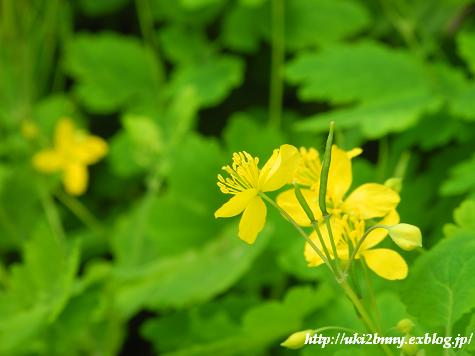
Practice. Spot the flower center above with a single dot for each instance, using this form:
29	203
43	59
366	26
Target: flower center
243	174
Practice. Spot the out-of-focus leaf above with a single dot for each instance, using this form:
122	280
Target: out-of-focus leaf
183	45
171	282
441	284
312	22
205	323
464	217
38	289
464	103
200	13
466	48
390	97
242	27
111	71
211	80
244	134
461	180
266	324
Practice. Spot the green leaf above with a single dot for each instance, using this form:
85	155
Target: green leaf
184	47
38	289
171	281
211	80
461	180
265	325
389	97
466	48
463	104
315	22
111	71
441	284
244	134
242	28
464	217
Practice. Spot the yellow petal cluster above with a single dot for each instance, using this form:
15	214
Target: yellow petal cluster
72	152
245	181
351	213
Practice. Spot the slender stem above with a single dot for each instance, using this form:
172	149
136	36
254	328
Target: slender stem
52	215
277	63
81	212
153	186
298	228
308	211
332	240
372	297
363	313
360	242
144	14
330	258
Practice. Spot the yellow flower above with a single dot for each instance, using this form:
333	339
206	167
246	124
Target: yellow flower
73	151
370	200
347	231
246	181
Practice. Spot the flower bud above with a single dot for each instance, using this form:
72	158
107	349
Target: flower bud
406	236
297	340
405	326
394	183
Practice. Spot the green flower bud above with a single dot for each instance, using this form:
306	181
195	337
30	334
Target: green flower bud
394	183
406	236
405	326
297	340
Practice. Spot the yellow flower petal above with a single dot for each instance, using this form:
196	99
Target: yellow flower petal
48	161
371	200
75	179
279	169
288	201
91	149
64	134
378	235
339	175
253	220
386	263
236	204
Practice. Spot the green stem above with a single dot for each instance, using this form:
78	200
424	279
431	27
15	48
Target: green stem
362	313
306	208
372	297
144	14
359	243
277	63
298	228
81	212
153	187
52	215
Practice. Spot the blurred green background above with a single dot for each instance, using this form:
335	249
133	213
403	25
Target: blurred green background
138	265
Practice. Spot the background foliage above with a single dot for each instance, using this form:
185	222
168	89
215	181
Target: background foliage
138	265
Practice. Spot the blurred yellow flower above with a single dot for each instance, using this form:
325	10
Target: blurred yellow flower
73	151
347	231
246	181
370	200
